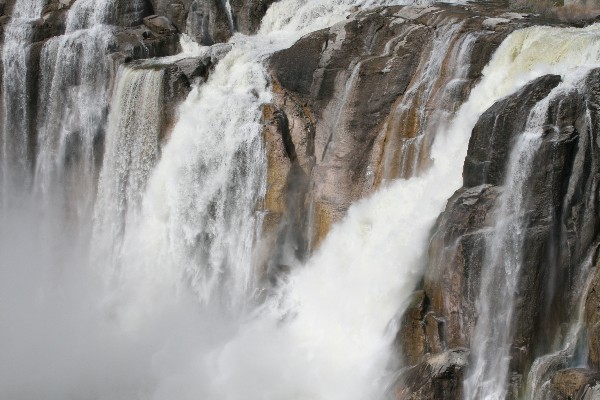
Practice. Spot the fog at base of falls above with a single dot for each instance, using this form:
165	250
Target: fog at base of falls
153	330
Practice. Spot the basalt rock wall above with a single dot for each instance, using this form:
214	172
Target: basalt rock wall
559	249
341	100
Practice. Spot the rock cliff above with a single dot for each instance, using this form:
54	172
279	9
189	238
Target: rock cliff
559	245
359	104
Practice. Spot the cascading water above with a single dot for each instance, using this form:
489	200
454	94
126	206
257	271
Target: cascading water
319	325
192	223
198	227
17	140
410	118
131	151
492	338
500	277
73	108
230	18
198	219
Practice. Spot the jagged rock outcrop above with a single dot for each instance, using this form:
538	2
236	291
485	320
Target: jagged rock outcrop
560	243
345	90
592	320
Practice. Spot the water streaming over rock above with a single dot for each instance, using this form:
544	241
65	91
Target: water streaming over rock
198	224
188	216
72	114
492	338
199	219
569	353
131	151
499	281
73	106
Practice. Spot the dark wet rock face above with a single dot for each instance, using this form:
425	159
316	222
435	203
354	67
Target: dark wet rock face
494	133
559	245
208	22
175	10
458	242
248	14
159	25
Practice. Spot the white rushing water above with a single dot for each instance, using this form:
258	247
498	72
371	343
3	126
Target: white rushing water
188	220
310	327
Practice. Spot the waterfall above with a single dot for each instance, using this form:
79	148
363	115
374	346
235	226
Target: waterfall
308	327
89	13
493	335
492	338
293	18
198	219
177	229
230	18
73	108
131	151
17	140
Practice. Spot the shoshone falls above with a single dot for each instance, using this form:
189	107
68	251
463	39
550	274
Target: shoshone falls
299	199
